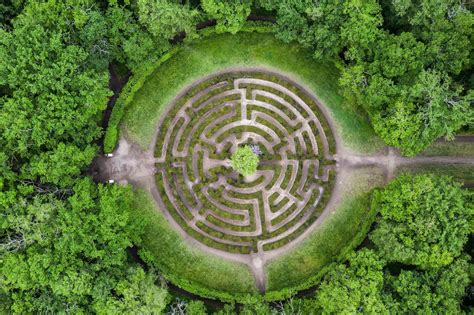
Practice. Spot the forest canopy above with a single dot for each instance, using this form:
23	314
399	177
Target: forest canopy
65	240
407	63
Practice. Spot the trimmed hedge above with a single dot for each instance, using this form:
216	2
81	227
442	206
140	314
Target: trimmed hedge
185	266
362	202
136	81
134	84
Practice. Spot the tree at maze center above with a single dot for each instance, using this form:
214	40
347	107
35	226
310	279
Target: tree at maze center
267	127
244	161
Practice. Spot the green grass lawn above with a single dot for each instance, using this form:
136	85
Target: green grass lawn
187	267
217	52
209	275
340	232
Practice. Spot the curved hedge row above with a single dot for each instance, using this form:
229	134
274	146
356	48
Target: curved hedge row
185	266
146	97
280	288
136	81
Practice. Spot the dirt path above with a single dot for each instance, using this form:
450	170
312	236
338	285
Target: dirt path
460	138
116	83
391	161
130	164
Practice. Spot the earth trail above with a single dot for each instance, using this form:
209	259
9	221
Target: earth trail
131	164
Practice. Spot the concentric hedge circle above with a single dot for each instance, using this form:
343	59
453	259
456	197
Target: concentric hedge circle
214	204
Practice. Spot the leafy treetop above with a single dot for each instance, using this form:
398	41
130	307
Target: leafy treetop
244	161
407	63
354	288
424	220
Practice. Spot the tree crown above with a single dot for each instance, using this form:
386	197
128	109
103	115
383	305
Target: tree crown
244	161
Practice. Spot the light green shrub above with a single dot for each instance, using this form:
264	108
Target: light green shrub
244	161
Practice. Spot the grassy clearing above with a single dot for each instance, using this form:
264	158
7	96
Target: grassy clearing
188	267
217	52
212	111
463	173
339	233
446	148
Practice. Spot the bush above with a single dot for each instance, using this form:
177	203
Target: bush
244	161
112	133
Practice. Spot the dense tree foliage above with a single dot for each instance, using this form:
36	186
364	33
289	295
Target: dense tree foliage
8	10
368	286
196	308
416	265
292	19
399	63
425	220
64	239
435	291
230	15
355	288
244	161
52	98
131	43
165	18
66	250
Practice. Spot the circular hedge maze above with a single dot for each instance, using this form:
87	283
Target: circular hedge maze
213	203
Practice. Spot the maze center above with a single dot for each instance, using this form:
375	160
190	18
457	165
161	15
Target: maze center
219	207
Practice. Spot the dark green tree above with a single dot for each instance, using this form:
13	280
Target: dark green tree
67	251
230	14
63	240
292	19
405	81
60	166
255	306
385	63
8	10
133	45
53	96
435	291
196	307
353	288
136	292
425	220
166	18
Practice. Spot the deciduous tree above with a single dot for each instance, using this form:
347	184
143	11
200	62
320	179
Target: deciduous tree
425	220
165	18
230	14
435	291
244	161
353	288
68	252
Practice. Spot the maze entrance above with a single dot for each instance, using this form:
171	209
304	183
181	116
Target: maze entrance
221	208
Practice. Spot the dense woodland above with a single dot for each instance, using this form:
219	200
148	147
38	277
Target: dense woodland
64	238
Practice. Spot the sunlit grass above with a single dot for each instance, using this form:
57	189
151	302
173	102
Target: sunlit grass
340	232
186	266
211	54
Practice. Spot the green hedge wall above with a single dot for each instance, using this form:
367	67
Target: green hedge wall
140	76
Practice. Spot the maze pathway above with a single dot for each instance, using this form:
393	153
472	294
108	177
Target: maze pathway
253	219
210	201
